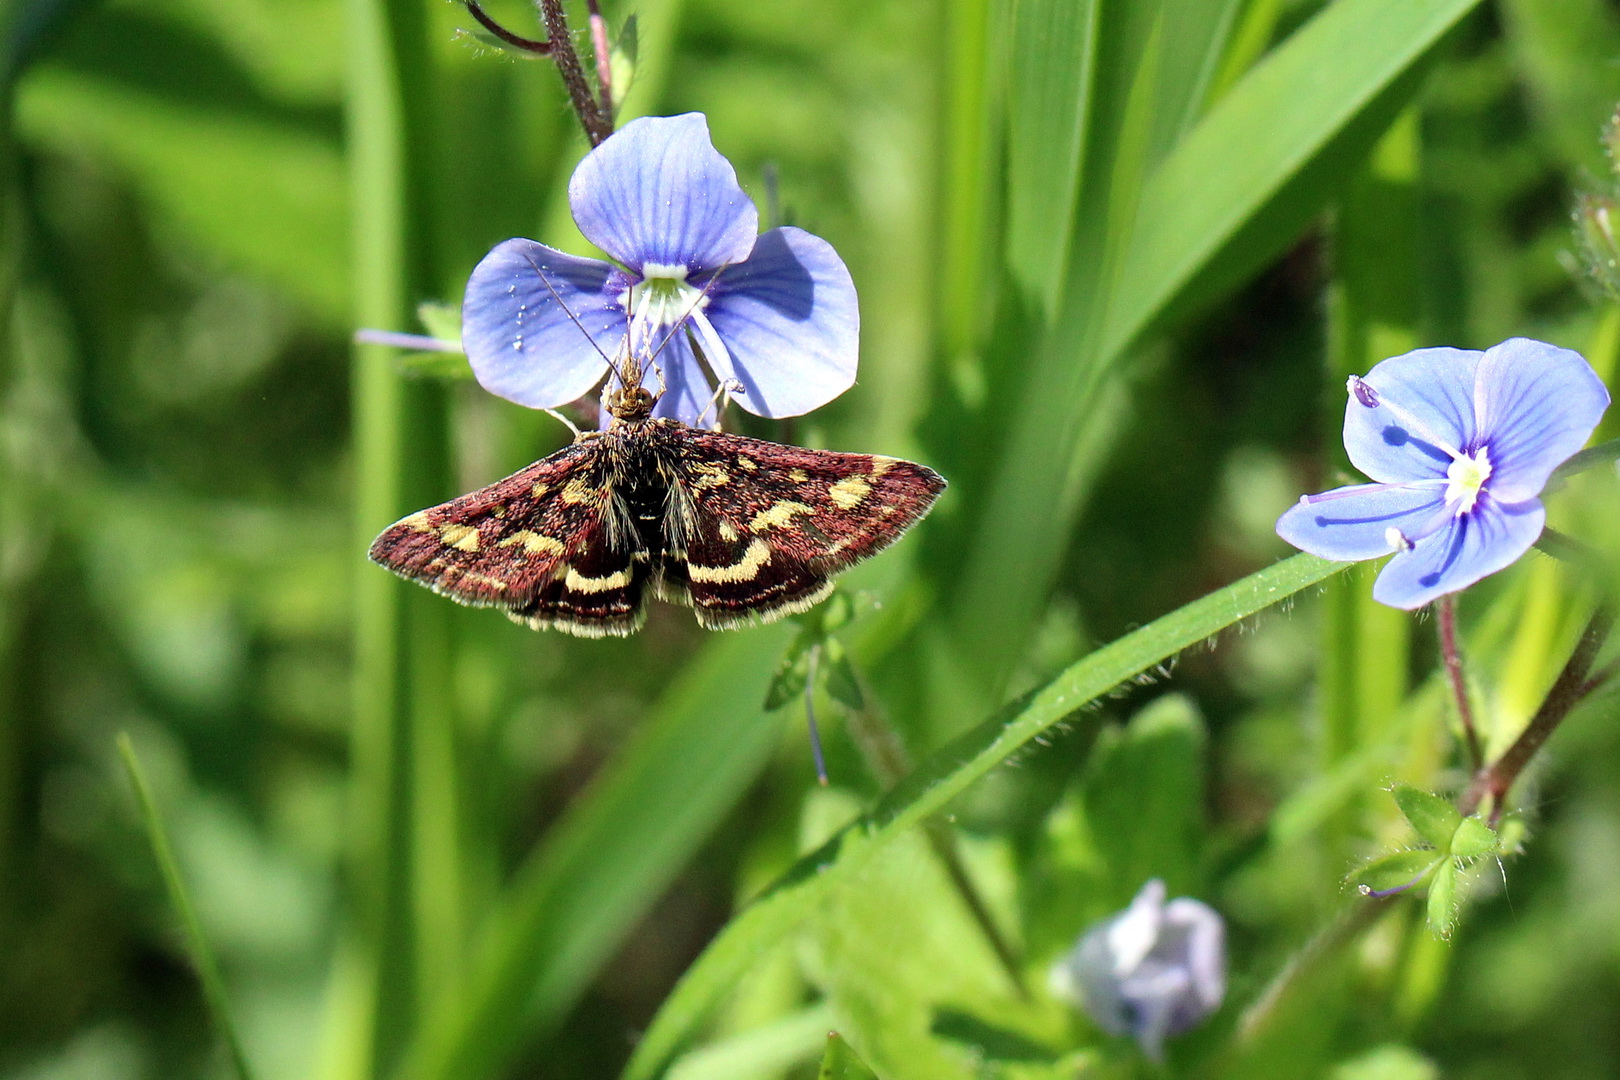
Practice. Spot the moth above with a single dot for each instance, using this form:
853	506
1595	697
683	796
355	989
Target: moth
742	530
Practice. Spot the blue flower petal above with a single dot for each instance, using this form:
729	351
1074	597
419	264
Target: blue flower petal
790	322
1352	523
1537	405
1424	408
1472	546
520	340
658	192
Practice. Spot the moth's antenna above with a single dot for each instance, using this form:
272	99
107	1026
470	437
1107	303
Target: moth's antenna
544	280
810	715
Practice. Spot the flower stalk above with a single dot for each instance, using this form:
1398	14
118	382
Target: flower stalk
597	121
1573	685
1452	657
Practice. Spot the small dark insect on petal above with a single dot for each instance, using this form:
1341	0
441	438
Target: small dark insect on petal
1364	392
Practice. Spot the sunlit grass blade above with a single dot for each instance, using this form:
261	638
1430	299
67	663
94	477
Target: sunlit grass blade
202	957
840	1062
604	865
765	1051
1231	193
946	774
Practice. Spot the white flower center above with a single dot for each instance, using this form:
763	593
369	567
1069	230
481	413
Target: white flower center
1464	478
659	301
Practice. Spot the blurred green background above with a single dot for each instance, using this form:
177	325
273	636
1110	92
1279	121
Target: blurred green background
1115	258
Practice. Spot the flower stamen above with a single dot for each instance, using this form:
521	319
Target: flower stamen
1465	478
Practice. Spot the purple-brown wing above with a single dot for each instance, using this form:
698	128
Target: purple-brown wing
769	525
536	543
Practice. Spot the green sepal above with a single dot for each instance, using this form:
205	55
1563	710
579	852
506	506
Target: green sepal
1442	911
441	320
1473	839
841	1063
791	674
1395	870
1434	818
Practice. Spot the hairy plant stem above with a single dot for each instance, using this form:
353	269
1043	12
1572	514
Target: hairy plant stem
888	761
598	124
1459	685
1573	684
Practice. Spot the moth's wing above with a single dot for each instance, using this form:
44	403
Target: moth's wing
538	544
766	526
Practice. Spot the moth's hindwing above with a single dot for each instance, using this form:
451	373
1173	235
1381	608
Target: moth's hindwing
769	525
536	544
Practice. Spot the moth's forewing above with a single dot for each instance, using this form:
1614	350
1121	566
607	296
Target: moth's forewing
772	524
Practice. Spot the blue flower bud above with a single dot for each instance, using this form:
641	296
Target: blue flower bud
1155	969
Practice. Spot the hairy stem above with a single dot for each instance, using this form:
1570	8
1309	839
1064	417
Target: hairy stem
597	125
1459	685
1568	690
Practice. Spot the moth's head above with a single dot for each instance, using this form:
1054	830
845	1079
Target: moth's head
629	403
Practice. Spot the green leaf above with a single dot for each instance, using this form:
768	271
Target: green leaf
202	957
1144	799
939	779
1442	909
1048	104
764	1051
840	1062
441	320
838	674
1473	840
600	869
1434	818
435	365
1396	870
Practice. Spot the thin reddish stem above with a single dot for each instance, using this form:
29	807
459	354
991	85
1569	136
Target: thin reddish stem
1459	684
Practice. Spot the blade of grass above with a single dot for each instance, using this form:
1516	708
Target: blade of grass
948	772
401	460
600	869
202	957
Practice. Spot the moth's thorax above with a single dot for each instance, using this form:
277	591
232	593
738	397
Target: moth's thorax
641	461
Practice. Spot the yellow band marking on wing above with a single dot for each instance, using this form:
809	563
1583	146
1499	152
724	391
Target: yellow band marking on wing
539	490
747	463
483	579
418	522
881	465
578	491
710	475
460	537
533	543
728	531
744	569
798	476
580	583
780	515
848	493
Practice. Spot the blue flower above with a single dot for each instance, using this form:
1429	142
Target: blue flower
774	312
1460	445
1155	969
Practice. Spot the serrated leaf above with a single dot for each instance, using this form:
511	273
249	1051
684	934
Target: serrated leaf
1434	818
1395	870
1442	911
841	1063
1473	839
